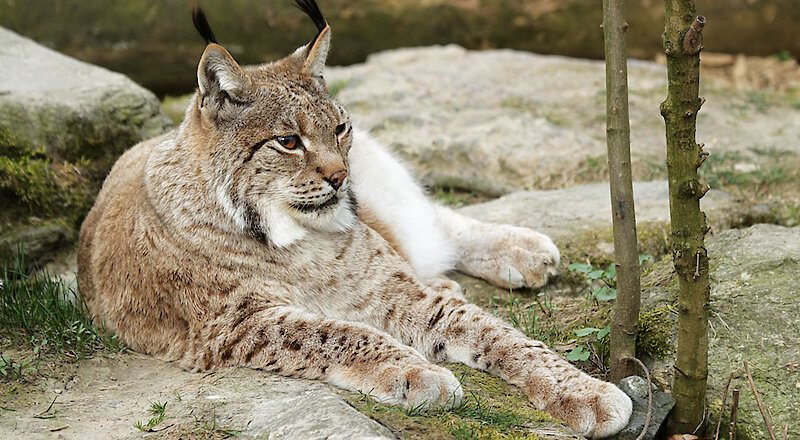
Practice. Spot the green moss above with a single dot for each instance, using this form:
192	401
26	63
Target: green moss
654	332
492	410
596	247
33	185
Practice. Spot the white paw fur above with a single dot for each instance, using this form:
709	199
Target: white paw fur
420	386
618	407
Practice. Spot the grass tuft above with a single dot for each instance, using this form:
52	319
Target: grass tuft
159	412
42	312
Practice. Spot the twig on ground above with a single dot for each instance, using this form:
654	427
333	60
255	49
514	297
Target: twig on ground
547	313
758	401
722	407
734	413
47	414
649	398
785	432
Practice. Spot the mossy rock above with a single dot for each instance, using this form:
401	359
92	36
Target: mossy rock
492	410
63	123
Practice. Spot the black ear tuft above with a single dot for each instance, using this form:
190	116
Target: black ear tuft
202	26
312	10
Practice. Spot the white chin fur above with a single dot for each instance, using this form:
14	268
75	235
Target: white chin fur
285	226
338	219
281	228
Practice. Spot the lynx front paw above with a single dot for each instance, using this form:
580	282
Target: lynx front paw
507	255
419	386
598	410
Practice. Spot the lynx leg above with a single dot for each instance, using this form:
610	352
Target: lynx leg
444	327
504	255
433	238
251	331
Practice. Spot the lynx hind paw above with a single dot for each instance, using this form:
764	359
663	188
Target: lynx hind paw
442	284
598	413
422	386
518	257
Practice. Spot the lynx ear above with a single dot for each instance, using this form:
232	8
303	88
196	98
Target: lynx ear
220	79
317	50
317	54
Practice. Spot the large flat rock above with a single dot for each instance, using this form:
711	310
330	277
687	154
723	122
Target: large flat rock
104	397
109	395
579	218
500	120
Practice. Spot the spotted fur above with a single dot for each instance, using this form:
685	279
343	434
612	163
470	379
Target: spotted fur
265	232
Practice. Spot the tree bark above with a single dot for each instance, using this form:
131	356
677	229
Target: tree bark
682	45
625	316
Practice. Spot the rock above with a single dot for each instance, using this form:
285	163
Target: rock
636	388
586	207
109	394
69	109
40	243
579	218
63	123
495	121
160	49
312	415
755	316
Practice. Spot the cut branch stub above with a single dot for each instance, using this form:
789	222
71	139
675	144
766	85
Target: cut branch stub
693	189
693	40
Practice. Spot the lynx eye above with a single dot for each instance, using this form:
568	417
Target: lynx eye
289	142
340	129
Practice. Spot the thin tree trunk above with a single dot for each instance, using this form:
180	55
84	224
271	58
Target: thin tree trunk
626	250
682	44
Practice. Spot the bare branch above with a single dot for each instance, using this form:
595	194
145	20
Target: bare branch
722	407
734	413
758	401
693	40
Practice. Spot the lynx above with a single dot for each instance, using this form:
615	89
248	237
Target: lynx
267	232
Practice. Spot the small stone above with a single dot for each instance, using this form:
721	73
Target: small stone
636	388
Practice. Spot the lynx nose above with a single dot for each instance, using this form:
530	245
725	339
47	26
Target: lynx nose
337	179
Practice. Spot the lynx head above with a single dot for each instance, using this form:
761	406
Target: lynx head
276	141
